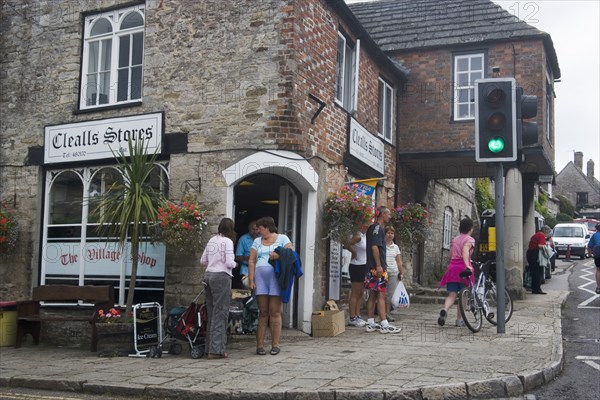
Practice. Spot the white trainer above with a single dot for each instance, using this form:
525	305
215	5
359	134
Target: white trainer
357	321
373	327
390	329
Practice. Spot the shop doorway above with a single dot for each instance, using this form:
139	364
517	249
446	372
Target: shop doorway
261	195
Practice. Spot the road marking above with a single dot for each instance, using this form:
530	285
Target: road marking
588	361
586	274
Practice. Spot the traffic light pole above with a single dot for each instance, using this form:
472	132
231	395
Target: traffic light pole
500	279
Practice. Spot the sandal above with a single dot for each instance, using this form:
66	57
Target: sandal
261	351
275	351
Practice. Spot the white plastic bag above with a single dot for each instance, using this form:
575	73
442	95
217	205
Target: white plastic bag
400	297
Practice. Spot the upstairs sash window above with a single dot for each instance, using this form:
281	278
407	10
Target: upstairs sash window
113	57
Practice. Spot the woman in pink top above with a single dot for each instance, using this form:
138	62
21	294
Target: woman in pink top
219	258
461	251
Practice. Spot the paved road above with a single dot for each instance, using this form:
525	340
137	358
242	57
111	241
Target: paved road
580	378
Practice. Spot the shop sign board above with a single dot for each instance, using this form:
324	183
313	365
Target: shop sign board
146	329
98	139
103	259
366	147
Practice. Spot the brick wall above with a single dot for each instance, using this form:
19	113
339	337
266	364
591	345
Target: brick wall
426	107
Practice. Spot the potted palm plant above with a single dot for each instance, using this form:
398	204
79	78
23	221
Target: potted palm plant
128	209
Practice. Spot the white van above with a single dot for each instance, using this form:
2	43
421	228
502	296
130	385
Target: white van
574	235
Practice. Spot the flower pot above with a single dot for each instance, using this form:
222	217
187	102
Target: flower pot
115	339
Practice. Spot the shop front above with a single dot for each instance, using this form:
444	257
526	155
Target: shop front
78	168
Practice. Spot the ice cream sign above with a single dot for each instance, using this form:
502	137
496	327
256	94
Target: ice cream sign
98	139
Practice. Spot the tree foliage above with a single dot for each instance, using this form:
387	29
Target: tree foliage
128	209
565	207
483	195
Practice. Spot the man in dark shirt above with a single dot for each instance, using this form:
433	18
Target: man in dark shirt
377	278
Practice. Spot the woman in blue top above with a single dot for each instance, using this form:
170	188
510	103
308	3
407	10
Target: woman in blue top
263	281
593	249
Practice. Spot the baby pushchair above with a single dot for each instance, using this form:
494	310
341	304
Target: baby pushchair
187	324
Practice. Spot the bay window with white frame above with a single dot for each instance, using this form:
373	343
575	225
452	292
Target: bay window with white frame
467	69
74	252
113	54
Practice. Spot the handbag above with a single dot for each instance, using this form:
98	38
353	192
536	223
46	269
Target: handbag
400	297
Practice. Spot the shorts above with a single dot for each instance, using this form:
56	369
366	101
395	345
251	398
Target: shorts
266	282
454	286
597	262
357	272
376	283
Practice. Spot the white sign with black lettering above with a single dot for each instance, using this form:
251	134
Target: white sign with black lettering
366	147
93	140
335	269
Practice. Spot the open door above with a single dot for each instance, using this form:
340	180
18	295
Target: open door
288	223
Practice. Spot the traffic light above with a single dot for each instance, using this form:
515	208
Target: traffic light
495	120
526	108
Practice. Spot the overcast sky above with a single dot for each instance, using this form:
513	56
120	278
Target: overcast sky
573	26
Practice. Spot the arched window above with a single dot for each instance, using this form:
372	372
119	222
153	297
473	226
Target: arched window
113	56
73	251
447	239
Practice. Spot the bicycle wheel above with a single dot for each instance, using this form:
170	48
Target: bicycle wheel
470	310
491	301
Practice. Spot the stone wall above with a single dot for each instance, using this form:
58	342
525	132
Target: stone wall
233	75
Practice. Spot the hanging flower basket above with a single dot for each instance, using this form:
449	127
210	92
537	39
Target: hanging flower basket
411	223
9	229
345	211
181	225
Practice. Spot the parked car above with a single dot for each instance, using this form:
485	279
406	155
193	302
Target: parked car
574	235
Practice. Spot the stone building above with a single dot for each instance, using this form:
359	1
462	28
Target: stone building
258	108
581	188
447	45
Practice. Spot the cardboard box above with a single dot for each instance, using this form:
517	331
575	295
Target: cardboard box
328	323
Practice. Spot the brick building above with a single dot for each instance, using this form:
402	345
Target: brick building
447	45
251	103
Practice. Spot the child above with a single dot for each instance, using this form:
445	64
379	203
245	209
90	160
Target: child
395	269
461	250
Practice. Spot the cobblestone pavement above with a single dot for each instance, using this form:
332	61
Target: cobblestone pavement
424	361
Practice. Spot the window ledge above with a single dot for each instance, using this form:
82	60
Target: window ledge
107	108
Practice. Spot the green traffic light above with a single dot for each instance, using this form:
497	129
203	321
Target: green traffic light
496	145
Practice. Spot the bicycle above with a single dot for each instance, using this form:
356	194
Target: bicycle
481	300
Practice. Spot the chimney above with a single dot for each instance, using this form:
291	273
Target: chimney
579	160
590	169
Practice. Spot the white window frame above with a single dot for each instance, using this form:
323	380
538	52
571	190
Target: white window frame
549	96
447	229
385	110
473	74
115	18
88	189
347	77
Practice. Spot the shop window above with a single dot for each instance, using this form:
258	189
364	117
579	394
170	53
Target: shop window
386	105
347	72
113	53
467	69
75	254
